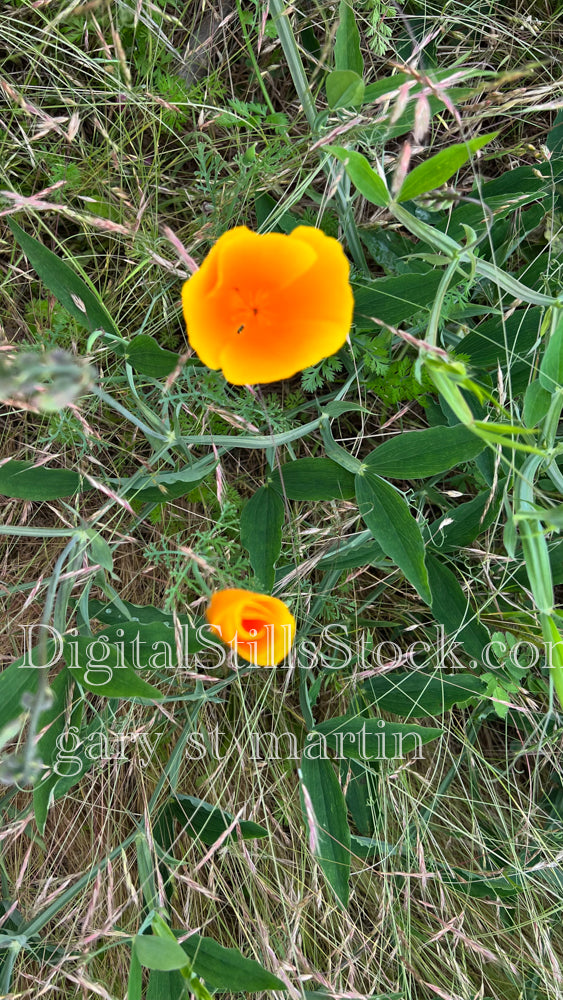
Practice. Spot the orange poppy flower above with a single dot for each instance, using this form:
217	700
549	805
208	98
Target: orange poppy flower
259	628
263	307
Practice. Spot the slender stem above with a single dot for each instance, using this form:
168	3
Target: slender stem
295	65
255	65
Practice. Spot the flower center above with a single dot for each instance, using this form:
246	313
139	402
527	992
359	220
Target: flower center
249	309
252	624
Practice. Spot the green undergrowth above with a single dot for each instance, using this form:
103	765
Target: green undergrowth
381	815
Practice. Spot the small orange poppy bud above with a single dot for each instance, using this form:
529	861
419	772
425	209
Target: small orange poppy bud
263	307
260	628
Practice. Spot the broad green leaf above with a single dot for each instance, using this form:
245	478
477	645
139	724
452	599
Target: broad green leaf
551	367
148	358
153	643
417	454
344	89
393	300
347	51
454	610
167	986
361	794
460	526
261	524
368	739
28	482
364	177
150	626
207	822
98	666
265	207
536	403
113	613
17	678
99	550
328	830
135	979
503	196
505	341
359	551
391	84
81	301
226	968
313	479
160	953
160	487
386	514
482	886
413	694
439	168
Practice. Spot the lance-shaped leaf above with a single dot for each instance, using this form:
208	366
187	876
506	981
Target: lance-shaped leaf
391	523
80	300
326	818
439	168
29	482
417	454
261	525
362	175
313	479
347	50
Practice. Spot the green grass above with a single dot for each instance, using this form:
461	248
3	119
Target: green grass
458	894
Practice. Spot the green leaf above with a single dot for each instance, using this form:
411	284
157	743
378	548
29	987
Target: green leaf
261	524
160	953
135	980
388	517
226	968
347	51
17	678
414	694
551	367
148	358
536	403
481	886
361	794
344	89
453	609
465	523
98	666
507	341
167	986
55	718
160	487
329	833
417	454
439	168
113	613
81	301
368	183
28	482
313	479
393	300
265	207
359	551
207	822
361	738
